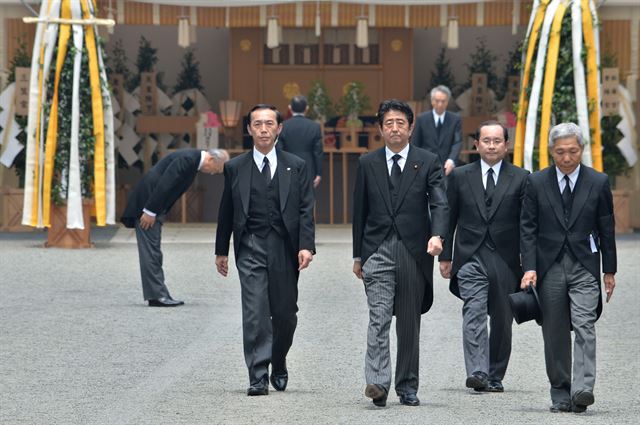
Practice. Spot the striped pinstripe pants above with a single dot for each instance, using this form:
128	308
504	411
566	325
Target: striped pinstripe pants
394	284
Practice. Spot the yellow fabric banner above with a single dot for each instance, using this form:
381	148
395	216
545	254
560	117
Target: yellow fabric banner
98	121
549	84
51	140
518	147
592	86
36	168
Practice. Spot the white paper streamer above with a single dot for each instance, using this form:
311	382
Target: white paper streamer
532	112
579	82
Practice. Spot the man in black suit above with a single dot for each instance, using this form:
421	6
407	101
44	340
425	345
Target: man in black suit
267	204
440	131
303	137
150	201
484	202
567	225
400	212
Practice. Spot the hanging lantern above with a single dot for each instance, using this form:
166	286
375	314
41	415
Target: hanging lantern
183	31
272	32
452	37
362	32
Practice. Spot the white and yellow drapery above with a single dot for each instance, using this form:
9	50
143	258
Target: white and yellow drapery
61	25
543	35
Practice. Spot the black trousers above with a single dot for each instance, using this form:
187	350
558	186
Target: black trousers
268	272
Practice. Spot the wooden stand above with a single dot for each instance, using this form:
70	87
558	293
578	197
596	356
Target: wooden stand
621	211
58	236
12	210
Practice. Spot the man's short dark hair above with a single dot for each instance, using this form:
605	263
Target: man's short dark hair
265	106
298	104
395	105
476	135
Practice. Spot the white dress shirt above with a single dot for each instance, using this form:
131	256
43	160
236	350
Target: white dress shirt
403	157
573	178
437	117
258	158
485	169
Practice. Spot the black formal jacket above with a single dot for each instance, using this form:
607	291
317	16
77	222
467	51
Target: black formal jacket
448	145
420	211
162	185
296	202
471	221
543	231
302	137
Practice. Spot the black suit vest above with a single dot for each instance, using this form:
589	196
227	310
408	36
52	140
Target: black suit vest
264	205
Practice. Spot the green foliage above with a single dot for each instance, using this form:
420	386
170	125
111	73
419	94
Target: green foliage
189	77
320	104
353	103
442	75
21	59
119	63
146	62
482	62
512	68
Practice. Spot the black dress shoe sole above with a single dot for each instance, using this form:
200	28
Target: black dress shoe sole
155	303
257	391
276	385
584	398
560	408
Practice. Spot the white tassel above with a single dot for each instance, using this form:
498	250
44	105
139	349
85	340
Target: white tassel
452	39
272	32
183	32
362	33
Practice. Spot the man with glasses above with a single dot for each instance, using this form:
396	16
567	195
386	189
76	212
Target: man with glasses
440	131
485	199
267	204
399	215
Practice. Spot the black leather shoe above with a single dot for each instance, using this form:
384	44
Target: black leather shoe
260	388
581	400
478	381
494	386
279	380
377	393
409	400
560	407
165	302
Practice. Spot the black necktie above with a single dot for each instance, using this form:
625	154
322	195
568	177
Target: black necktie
439	126
396	172
266	170
491	187
566	197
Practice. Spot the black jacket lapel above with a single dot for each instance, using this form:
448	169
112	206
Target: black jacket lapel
505	178
474	179
553	193
244	180
582	189
381	175
284	181
409	173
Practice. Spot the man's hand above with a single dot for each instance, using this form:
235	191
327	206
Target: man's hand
304	258
434	246
357	269
529	278
445	269
222	264
609	284
146	221
316	181
448	167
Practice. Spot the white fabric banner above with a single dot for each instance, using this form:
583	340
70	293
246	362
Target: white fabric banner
75	219
579	82
13	146
534	99
629	144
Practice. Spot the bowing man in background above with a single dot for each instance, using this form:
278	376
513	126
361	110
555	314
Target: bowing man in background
399	215
567	227
267	204
151	200
484	202
440	131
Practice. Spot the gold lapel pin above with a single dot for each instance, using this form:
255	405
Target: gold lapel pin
415	166
288	168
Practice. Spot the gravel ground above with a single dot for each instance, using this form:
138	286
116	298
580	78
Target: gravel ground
79	346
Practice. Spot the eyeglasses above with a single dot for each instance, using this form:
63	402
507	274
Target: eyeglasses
495	142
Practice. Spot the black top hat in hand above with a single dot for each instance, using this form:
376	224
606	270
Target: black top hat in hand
525	305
